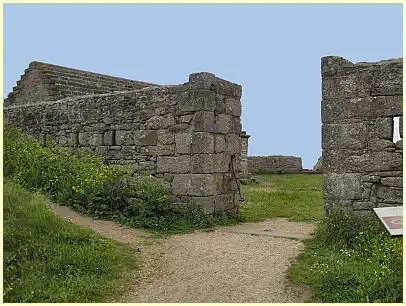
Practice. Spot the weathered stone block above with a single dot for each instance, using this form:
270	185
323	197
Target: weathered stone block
181	127
338	109
124	138
165	137
146	137
183	143
185	118
160	122
233	106
388	78
194	184
102	150
399	145
219	143
343	186
375	161
392	181
95	139
224	202
108	138
72	139
206	204
236	125
345	136
222	162
203	163
173	164
211	82
380	144
62	141
199	99
210	163
202	142
370	178
389	194
165	150
384	128
203	121
233	144
223	124
115	154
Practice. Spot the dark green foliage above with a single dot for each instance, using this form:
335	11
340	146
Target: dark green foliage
352	260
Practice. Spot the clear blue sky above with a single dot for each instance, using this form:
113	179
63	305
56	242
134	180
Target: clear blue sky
272	50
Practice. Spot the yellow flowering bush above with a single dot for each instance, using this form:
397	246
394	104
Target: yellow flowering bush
83	182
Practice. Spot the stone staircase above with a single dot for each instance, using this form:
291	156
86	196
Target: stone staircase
61	82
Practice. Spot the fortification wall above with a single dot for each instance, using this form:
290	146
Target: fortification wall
274	164
362	165
187	134
47	82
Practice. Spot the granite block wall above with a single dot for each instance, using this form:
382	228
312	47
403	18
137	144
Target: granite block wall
274	164
362	165
187	134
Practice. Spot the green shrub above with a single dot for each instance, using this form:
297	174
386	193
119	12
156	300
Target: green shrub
352	259
92	187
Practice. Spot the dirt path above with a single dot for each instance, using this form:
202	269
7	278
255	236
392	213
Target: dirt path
242	263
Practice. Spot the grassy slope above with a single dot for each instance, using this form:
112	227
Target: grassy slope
296	196
47	259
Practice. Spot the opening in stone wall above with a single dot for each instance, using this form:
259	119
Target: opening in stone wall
396	131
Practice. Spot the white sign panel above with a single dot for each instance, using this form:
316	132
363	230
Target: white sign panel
391	218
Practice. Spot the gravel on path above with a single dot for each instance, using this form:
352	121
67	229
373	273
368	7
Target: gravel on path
210	266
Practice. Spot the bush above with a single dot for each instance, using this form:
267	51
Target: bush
352	260
84	182
92	187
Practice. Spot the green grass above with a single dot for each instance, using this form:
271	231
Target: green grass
351	260
48	259
295	196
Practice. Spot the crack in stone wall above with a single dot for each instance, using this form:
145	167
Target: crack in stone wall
362	166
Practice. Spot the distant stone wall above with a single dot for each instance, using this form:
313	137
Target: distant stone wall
362	166
274	164
187	134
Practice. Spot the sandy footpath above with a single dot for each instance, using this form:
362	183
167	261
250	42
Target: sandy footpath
242	263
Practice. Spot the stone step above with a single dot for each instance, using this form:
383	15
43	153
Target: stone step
66	89
63	80
84	87
65	76
75	73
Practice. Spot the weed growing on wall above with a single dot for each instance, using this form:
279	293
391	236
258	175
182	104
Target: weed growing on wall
351	260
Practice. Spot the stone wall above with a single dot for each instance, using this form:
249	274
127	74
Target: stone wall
274	164
187	134
362	165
